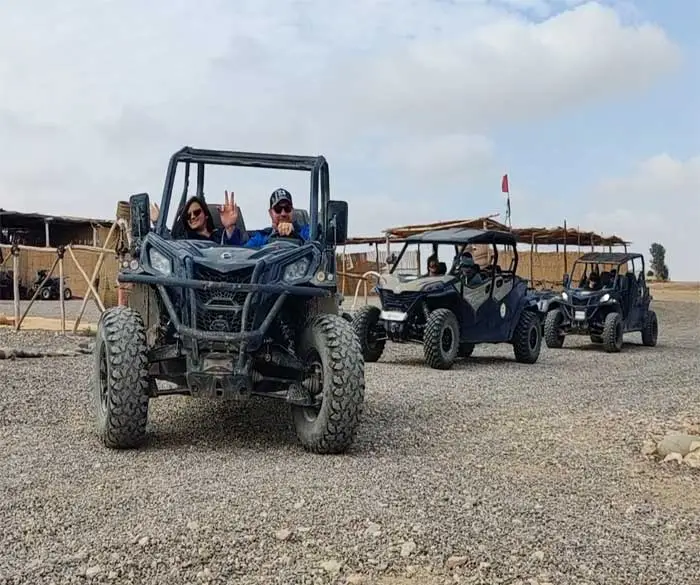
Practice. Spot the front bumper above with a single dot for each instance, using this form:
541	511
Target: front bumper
254	335
580	319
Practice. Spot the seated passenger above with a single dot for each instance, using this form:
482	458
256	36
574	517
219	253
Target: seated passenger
433	266
470	271
281	214
593	282
196	222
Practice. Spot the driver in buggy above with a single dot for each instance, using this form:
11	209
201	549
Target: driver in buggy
469	271
282	218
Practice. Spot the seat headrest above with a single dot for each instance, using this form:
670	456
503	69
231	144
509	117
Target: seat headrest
301	216
442	268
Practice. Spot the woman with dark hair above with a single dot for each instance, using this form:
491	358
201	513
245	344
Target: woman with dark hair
196	223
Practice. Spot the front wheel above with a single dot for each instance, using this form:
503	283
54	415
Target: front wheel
441	339
335	379
45	294
120	385
366	327
612	333
553	335
527	338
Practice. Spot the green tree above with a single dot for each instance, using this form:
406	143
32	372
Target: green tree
658	261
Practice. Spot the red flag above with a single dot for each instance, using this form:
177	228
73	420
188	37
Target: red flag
504	184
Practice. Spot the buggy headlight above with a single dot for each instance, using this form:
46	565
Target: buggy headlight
160	262
564	296
605	298
295	270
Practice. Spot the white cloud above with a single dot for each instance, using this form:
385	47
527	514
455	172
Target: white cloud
510	70
440	159
658	202
398	94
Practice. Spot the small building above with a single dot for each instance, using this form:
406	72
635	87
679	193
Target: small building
37	229
42	234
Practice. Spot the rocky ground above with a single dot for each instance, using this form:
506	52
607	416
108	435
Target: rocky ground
493	472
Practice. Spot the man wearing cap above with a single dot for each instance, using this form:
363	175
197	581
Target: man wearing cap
281	213
470	270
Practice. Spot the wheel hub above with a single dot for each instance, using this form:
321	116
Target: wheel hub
446	339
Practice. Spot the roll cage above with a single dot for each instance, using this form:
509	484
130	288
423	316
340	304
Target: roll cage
614	260
460	238
319	189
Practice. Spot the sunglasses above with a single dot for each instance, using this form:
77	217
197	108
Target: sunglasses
282	208
194	214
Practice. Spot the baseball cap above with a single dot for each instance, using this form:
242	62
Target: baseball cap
280	195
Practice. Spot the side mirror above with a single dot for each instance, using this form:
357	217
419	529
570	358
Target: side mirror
566	280
140	207
337	218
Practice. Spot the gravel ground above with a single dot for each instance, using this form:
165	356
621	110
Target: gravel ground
52	309
493	472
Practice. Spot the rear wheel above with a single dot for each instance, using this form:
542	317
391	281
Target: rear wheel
553	335
335	379
650	331
67	294
365	325
612	333
441	339
527	338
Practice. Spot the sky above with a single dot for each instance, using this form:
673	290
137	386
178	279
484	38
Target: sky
420	107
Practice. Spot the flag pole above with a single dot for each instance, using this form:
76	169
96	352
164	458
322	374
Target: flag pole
505	188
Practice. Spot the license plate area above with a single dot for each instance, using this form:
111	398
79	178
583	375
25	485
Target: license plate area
580	315
396	316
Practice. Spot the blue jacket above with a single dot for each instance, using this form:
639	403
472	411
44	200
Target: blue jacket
259	238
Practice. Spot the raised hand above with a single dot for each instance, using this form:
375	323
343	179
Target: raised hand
285	229
229	211
155	212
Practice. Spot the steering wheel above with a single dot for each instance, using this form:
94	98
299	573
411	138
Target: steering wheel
285	239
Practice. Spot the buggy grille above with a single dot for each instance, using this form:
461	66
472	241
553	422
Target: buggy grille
392	301
577	302
220	310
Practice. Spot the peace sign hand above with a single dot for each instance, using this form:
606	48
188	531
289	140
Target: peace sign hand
229	211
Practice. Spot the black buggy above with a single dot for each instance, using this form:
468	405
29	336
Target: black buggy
230	322
618	303
447	315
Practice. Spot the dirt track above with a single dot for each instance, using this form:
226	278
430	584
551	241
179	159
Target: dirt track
518	472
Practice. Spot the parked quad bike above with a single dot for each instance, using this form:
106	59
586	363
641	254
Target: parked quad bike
51	288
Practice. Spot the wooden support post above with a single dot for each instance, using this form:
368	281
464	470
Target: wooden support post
532	257
36	294
376	250
95	272
579	238
61	299
46	233
15	281
94	237
345	264
91	288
